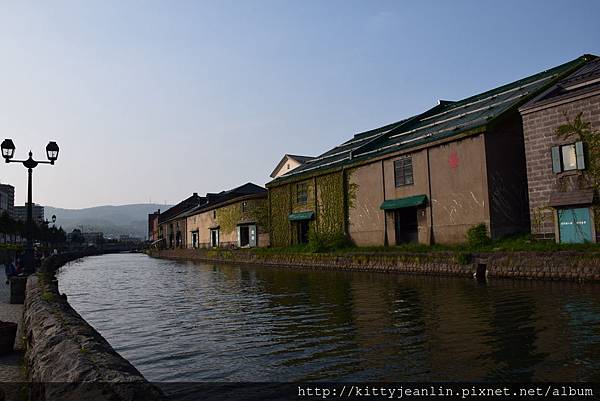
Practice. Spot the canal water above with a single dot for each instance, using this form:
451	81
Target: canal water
184	321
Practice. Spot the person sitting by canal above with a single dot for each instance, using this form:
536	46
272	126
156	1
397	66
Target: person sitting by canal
17	266
9	270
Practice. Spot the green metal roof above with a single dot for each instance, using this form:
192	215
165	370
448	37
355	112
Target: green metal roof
447	119
410	201
301	216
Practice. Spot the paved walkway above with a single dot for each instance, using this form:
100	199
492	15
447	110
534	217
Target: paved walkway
10	365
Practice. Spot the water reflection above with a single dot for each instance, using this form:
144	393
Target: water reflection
178	321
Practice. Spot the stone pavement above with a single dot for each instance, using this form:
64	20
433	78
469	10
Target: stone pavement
10	365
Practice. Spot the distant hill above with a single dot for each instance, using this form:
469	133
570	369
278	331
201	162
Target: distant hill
111	220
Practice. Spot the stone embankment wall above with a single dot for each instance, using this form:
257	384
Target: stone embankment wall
578	266
66	358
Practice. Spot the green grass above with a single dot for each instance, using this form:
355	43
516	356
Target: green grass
48	296
521	243
300	248
11	247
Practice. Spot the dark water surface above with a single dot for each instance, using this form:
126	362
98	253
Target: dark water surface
184	321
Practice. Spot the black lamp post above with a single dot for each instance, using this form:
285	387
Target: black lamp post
8	151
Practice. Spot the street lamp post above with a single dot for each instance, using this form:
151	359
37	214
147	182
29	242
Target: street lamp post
8	151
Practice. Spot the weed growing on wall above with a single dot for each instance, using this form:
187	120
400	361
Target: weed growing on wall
539	216
582	130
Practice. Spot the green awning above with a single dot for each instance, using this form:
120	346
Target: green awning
410	201
301	216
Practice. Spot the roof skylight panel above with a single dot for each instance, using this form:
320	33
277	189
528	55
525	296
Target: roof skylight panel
462	115
467	105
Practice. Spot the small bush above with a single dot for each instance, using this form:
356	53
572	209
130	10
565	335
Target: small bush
325	243
339	241
478	235
315	242
463	258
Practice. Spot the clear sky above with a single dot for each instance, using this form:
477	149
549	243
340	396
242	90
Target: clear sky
156	100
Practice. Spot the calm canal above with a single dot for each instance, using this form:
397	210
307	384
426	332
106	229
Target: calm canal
184	321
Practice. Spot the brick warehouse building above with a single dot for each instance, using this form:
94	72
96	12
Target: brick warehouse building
426	179
561	194
153	226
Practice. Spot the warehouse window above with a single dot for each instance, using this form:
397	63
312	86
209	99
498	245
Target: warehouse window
568	157
403	172
302	193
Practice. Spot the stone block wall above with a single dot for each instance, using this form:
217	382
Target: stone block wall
66	358
577	266
564	265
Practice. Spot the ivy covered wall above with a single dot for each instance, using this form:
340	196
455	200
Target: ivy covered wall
230	216
279	198
310	192
330	220
326	197
227	218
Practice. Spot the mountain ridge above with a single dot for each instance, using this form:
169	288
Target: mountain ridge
112	220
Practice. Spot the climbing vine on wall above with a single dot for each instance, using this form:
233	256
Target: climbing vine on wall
310	192
580	129
230	216
352	190
259	212
325	199
331	205
279	224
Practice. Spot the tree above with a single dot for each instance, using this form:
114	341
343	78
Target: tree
77	237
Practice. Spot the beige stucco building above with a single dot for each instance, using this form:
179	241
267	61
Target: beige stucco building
289	163
234	218
443	204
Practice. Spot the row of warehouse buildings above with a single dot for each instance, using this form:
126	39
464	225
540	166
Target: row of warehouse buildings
493	158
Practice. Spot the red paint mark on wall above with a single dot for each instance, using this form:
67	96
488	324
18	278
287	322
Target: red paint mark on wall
453	160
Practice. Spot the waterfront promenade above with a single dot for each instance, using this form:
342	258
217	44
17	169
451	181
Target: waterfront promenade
10	365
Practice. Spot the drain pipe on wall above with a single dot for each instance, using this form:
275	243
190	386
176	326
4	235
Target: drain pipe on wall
430	201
